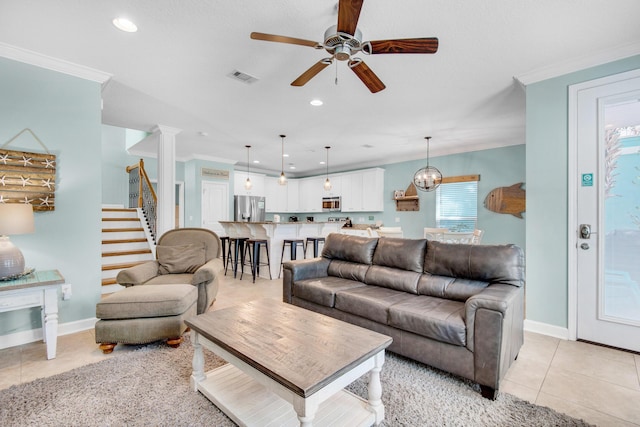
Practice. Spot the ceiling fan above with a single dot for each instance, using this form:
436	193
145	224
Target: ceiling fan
344	40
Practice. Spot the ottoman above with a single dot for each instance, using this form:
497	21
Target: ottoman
145	313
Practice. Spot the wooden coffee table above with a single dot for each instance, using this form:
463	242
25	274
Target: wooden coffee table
287	366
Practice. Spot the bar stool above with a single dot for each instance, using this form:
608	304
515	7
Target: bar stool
237	243
293	245
252	247
224	240
315	241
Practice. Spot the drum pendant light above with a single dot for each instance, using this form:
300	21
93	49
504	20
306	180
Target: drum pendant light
327	183
429	177
247	183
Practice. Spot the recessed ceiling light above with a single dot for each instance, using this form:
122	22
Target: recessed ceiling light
256	161
292	167
123	24
316	102
322	162
285	155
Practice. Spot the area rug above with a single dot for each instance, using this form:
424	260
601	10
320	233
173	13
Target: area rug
150	387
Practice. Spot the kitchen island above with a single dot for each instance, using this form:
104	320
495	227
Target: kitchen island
276	232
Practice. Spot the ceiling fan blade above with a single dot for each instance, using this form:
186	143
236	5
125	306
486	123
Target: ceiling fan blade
367	76
284	39
348	14
311	72
419	45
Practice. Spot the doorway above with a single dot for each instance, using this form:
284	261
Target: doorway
215	205
604	211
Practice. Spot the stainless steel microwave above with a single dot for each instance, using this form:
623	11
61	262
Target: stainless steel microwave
331	204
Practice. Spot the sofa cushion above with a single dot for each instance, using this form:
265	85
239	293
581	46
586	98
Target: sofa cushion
323	290
180	258
405	254
347	270
393	278
449	287
436	318
349	248
370	302
486	263
147	301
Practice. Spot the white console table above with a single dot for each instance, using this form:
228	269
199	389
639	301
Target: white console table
37	289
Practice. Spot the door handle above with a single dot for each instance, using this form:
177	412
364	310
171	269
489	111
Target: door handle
585	231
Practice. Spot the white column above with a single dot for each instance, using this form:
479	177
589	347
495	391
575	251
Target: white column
166	214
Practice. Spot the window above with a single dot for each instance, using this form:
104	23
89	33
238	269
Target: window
457	206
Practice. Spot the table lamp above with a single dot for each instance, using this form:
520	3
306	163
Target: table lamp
15	218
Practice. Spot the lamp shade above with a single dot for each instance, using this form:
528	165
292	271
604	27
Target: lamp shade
16	218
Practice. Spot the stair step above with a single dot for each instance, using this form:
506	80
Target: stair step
132	252
110	281
118	209
116	241
117	219
122	230
121	266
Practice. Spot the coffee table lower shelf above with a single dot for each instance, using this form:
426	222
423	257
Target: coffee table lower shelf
249	403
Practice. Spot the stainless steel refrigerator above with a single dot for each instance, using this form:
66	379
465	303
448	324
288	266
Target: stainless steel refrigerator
248	208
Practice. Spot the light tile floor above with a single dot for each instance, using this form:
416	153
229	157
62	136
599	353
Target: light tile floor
597	384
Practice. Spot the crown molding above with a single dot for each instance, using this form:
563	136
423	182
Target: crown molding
579	63
54	64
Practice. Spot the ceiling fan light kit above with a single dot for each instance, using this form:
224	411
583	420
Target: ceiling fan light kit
344	40
428	178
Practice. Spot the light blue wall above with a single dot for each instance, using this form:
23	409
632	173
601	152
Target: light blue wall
499	167
547	215
64	112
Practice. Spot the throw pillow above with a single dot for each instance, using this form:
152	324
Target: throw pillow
180	258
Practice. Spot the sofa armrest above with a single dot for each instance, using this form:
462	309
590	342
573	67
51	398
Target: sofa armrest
495	332
138	274
496	297
207	272
301	270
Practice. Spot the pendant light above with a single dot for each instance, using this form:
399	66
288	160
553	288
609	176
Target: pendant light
247	183
283	179
327	183
429	177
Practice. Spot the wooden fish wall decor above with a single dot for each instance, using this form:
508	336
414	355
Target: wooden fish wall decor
507	200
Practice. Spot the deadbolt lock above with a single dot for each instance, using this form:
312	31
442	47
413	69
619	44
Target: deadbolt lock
585	231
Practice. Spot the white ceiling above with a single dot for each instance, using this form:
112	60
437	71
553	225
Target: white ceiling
174	71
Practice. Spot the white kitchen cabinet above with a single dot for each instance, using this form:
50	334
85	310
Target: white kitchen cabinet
363	191
257	181
276	195
336	186
310	194
293	196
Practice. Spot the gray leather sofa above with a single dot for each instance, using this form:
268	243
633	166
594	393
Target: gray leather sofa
458	308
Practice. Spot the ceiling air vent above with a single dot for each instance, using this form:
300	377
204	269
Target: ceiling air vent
242	77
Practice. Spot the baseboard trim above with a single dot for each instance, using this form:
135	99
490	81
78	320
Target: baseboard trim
33	335
546	329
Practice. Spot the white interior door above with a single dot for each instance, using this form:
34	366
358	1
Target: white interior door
215	206
607	227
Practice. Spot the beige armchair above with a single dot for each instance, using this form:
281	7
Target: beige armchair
183	256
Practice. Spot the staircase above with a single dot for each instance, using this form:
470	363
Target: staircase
124	244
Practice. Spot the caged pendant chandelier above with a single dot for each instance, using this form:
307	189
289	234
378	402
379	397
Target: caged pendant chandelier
283	179
429	177
247	183
327	183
